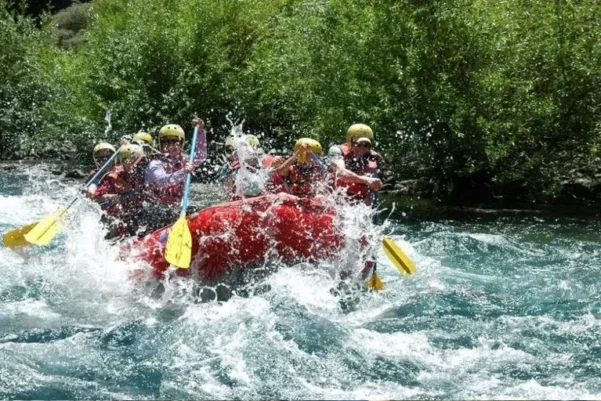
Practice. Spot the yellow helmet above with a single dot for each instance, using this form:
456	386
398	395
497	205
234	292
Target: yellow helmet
130	151
143	138
173	131
358	131
251	140
312	145
104	146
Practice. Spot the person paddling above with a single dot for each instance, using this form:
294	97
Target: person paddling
358	169
247	171
303	168
165	175
101	154
250	176
121	193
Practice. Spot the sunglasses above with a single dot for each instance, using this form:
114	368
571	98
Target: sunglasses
170	142
366	145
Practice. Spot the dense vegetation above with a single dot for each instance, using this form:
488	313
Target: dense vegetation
503	93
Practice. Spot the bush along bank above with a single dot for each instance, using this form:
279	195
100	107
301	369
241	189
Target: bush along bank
481	99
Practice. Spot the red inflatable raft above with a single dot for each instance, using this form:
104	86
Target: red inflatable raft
246	232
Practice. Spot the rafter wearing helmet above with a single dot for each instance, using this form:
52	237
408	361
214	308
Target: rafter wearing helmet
246	171
357	169
165	175
101	154
303	169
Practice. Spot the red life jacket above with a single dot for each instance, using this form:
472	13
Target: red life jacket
276	183
304	179
114	183
172	194
122	215
92	173
369	165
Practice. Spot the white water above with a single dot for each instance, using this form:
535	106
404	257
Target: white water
73	325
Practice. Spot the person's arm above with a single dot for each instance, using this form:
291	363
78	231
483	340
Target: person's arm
106	191
90	190
284	169
346	175
155	174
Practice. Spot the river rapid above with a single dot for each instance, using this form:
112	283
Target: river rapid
501	307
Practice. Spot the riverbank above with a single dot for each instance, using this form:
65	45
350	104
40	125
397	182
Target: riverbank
576	194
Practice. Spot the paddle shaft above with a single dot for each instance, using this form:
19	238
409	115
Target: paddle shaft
101	170
188	174
316	159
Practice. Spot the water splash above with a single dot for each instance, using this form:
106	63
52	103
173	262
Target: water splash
511	307
109	126
251	174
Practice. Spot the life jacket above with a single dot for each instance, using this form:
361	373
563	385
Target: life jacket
124	215
91	175
276	183
172	194
113	183
303	179
99	179
368	165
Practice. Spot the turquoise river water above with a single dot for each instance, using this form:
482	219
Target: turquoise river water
500	308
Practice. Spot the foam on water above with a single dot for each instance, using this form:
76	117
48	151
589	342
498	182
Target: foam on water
497	311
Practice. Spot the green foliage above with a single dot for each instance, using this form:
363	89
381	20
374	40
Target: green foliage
457	88
71	24
22	92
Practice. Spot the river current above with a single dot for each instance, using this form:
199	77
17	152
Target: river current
500	308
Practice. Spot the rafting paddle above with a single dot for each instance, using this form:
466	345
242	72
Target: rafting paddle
374	282
178	249
398	258
42	232
16	238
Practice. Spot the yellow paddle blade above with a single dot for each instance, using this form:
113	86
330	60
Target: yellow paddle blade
375	283
178	250
398	257
16	238
45	230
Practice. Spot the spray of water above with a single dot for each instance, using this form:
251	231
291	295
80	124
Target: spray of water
496	311
109	126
